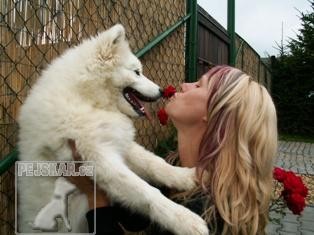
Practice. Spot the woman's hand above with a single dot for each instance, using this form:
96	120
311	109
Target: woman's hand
86	185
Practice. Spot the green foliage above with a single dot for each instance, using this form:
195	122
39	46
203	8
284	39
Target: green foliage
293	80
296	138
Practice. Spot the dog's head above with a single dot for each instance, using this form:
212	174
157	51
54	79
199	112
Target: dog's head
122	72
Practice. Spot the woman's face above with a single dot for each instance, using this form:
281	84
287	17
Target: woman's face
190	105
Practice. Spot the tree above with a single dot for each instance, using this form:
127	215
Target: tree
293	80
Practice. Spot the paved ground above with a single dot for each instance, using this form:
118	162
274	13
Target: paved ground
297	157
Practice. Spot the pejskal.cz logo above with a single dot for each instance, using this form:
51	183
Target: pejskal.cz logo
45	197
54	169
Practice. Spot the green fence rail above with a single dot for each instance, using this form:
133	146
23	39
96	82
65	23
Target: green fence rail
161	37
8	161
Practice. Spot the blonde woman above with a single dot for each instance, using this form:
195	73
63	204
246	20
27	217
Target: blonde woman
227	128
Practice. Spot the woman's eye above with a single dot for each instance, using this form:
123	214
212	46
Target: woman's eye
137	72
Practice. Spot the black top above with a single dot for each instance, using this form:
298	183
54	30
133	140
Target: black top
109	219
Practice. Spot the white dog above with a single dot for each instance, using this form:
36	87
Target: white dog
89	94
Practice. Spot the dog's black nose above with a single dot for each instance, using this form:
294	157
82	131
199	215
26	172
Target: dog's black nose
161	91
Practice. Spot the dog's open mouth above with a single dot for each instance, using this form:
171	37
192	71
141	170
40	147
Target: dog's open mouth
136	99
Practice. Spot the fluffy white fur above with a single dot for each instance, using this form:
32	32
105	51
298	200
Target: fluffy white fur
80	97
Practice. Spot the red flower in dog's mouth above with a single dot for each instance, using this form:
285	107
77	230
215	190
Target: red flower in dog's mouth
169	91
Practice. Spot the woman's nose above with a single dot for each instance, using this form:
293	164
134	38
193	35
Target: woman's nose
186	86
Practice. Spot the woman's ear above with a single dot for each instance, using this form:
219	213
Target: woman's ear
204	119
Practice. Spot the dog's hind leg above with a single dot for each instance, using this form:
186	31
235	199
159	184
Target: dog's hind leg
155	169
126	187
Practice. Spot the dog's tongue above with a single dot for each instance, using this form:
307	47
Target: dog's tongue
141	105
147	113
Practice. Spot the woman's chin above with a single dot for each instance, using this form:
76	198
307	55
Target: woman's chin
171	112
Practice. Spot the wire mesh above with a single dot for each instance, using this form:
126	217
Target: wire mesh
33	32
248	60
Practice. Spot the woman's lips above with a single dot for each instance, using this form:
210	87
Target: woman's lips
173	97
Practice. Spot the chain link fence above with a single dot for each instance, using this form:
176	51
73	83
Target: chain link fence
34	32
248	60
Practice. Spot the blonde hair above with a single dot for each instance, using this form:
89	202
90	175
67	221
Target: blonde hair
237	151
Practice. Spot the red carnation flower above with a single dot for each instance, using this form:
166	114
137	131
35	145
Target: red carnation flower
285	194
162	116
169	91
296	203
294	191
300	188
292	182
279	174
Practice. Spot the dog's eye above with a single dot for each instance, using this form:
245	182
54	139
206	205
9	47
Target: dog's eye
137	72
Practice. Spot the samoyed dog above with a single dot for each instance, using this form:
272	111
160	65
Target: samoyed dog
89	94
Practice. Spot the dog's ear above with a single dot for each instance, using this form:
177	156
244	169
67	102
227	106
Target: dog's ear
109	42
112	36
118	33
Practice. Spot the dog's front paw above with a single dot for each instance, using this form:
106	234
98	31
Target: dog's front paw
185	179
191	224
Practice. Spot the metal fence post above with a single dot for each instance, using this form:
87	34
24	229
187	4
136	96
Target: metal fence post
191	42
231	31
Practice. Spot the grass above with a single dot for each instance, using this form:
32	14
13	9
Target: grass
296	138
